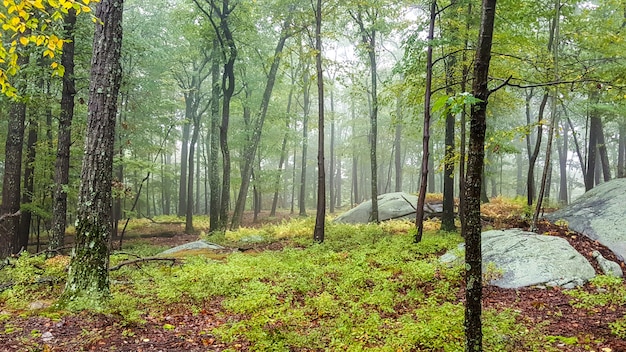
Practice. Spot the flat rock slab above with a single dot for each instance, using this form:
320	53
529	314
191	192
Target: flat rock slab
599	214
192	246
527	259
397	205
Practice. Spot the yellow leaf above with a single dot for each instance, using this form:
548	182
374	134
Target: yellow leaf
24	41
54	65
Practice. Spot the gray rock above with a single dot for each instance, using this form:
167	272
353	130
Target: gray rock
600	215
47	336
398	205
192	246
608	267
528	259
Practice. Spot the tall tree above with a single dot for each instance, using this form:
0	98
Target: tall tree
88	275
368	34
475	162
419	213
318	234
62	164
11	183
251	148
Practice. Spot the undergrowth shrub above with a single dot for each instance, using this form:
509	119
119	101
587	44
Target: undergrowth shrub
605	291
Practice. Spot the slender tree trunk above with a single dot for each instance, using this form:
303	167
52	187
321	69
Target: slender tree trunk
318	233
184	160
398	148
419	218
535	153
29	182
447	218
592	151
338	184
355	160
251	149
283	153
621	154
88	271
604	158
62	163
331	169
214	178
305	138
563	150
463	131
192	150
473	252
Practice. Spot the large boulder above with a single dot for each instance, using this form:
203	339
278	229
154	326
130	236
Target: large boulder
522	258
398	205
193	246
600	215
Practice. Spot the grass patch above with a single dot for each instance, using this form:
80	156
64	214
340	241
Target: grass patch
367	287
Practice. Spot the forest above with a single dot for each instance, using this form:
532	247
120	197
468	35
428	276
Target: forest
131	126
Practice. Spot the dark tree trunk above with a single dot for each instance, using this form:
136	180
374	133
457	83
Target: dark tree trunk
29	182
447	218
604	158
563	150
88	275
62	164
338	184
419	217
318	233
473	252
621	154
192	150
592	151
11	185
530	179
184	159
463	131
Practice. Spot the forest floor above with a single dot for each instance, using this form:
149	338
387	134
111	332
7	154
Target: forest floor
570	329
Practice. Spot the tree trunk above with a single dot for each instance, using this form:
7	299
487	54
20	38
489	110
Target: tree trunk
192	150
214	181
419	217
251	149
563	151
473	252
306	83
592	151
29	182
11	185
62	163
318	232
88	271
331	169
283	152
184	159
621	154
604	158
447	218
397	141
530	179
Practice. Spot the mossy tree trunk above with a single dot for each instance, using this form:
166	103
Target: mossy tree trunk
88	273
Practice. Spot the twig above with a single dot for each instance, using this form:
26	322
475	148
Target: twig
142	260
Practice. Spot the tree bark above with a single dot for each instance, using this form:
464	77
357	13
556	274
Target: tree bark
214	181
419	213
29	182
473	252
621	154
563	151
88	272
530	179
62	163
318	232
306	82
11	185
